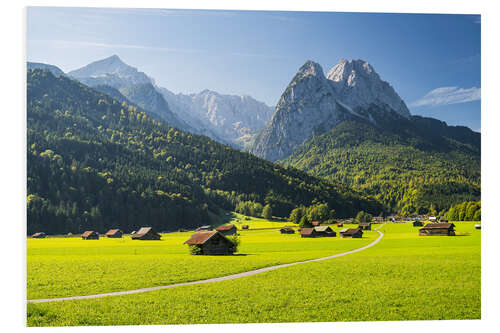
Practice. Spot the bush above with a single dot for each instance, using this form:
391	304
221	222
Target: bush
236	241
195	249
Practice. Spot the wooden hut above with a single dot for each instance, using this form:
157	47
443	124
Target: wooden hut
39	235
90	235
146	233
477	226
315	223
324	231
245	227
287	230
226	230
114	233
307	233
210	243
340	225
418	223
365	225
351	233
438	229
204	228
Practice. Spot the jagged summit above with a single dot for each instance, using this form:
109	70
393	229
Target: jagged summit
313	104
358	85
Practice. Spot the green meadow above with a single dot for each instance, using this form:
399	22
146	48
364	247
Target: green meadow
403	277
71	266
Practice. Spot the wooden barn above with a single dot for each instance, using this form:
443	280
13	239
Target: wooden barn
245	227
204	228
90	235
418	223
340	225
287	230
365	225
114	233
438	229
146	233
351	233
226	230
324	231
39	235
321	231
210	243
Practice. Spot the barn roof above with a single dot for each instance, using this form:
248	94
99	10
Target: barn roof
306	231
322	228
38	234
439	226
225	227
202	237
350	231
143	230
112	232
88	233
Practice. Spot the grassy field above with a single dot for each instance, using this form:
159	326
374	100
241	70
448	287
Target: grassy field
72	266
404	277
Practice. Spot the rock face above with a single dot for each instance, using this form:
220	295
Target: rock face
235	119
228	119
313	104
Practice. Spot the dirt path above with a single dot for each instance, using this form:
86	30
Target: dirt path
217	279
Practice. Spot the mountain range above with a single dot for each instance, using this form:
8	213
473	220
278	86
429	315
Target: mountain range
348	126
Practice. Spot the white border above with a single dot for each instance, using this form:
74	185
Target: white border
13	135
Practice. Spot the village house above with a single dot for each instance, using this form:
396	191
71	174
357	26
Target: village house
90	235
340	225
146	233
438	229
287	230
210	243
114	233
351	233
39	235
378	219
365	226
315	223
226	230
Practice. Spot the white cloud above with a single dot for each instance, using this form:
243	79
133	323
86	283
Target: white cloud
448	95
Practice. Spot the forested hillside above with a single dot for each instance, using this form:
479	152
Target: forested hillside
96	163
408	164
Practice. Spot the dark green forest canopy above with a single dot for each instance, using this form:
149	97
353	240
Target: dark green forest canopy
96	163
406	164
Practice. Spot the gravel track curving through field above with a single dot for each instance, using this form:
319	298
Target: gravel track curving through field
217	279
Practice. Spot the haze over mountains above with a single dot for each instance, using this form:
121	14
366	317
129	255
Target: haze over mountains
227	118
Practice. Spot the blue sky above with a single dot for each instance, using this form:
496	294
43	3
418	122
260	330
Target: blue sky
433	61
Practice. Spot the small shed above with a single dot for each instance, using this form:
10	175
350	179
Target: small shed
351	233
210	243
324	231
39	235
204	228
418	224
340	225
245	227
90	235
146	233
365	225
315	223
228	229
477	226
307	233
287	230
114	233
438	229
